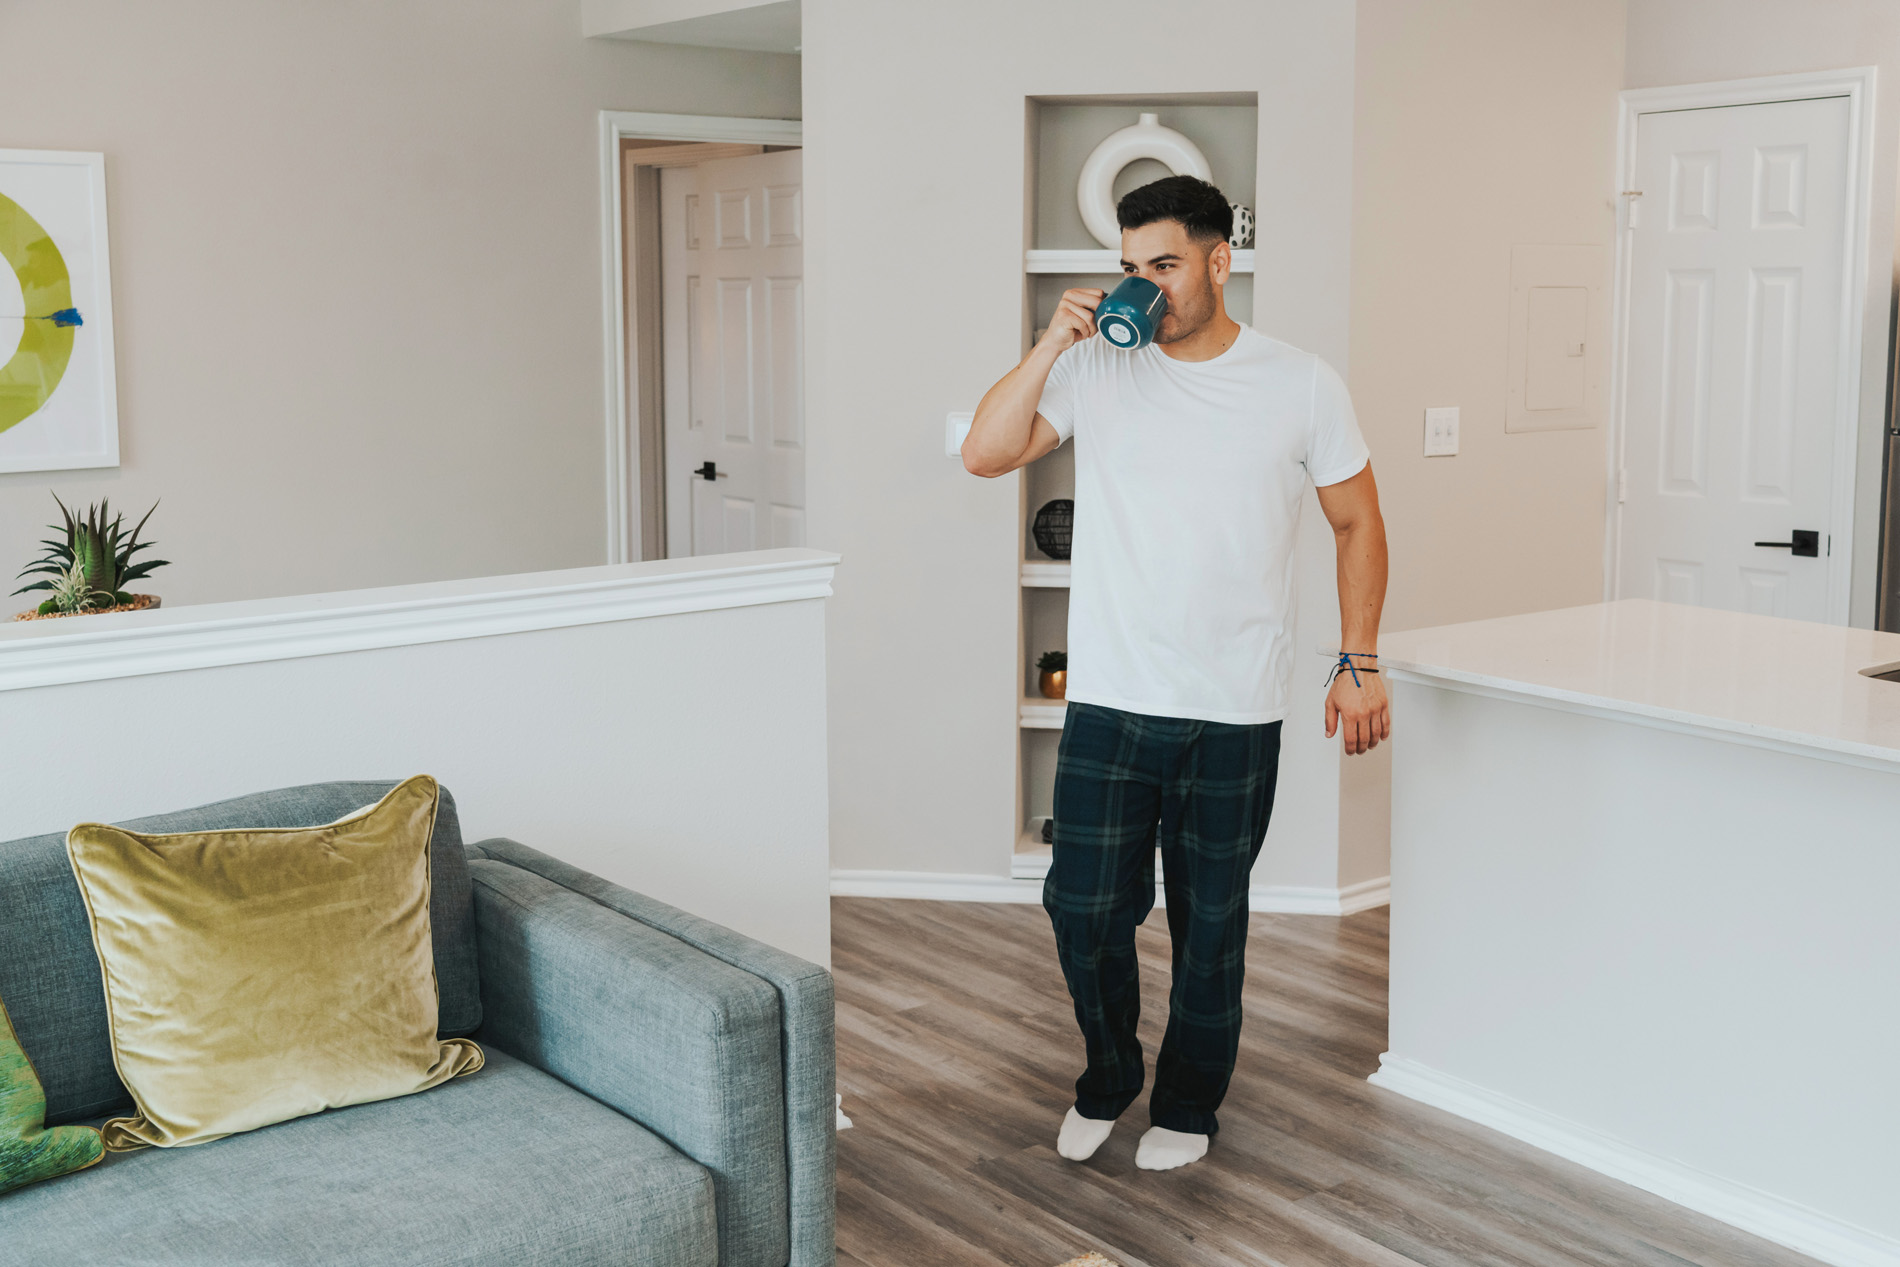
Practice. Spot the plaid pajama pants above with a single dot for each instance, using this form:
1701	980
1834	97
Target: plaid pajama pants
1205	789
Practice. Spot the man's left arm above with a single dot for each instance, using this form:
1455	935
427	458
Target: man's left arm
1358	708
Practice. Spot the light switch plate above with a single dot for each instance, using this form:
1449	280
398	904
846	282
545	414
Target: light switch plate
1441	432
955	428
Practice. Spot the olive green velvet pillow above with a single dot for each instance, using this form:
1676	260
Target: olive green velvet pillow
255	976
28	1151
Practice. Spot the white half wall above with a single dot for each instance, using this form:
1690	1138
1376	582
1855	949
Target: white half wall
659	724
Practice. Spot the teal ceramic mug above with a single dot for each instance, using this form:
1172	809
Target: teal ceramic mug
1131	313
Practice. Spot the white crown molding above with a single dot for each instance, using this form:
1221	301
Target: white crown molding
167	640
1024	886
1774	1218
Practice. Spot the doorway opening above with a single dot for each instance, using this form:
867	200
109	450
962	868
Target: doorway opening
703	261
1741	280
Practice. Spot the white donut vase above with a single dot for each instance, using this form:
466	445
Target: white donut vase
1095	191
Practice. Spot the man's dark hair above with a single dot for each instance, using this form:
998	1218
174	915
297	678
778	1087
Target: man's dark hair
1200	208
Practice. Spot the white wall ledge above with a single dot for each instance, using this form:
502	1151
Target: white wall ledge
38	653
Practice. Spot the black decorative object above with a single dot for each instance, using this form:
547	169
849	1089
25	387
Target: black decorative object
1048	831
1052	526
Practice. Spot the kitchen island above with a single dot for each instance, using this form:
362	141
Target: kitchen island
1644	867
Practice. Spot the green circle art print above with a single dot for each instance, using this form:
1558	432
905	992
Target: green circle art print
29	377
59	402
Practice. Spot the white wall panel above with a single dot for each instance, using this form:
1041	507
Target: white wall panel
1688	343
786	330
1695	179
1769	394
1781	186
732	350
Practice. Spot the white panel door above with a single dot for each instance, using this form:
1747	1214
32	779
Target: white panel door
732	297
1737	253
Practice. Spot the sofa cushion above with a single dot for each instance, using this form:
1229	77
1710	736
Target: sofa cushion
506	1166
49	974
257	975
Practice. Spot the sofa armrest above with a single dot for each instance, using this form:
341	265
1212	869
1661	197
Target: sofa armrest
550	935
678	1041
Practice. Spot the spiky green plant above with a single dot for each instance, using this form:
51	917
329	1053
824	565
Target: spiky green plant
91	567
72	592
1053	661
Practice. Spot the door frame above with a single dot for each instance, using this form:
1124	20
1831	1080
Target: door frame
1857	85
623	450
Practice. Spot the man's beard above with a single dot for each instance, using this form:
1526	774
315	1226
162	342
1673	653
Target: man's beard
1191	319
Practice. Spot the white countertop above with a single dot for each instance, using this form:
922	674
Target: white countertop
1780	683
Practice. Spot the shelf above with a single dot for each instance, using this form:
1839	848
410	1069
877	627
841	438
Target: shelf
1031	859
1042	714
1091	263
1050	575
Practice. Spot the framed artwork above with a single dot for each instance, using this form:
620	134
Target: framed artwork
59	402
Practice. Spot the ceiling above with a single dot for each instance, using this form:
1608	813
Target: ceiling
771	27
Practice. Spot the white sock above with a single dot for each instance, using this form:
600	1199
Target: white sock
1163	1149
1081	1136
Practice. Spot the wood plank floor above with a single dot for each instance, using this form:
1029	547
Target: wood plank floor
957	1054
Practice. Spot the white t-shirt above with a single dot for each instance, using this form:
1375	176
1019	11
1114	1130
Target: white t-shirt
1188	482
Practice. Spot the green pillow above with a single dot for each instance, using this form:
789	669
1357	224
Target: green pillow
28	1151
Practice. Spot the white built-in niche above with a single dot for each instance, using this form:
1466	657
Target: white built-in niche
1059	253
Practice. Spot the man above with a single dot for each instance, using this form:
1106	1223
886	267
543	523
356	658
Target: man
1192	457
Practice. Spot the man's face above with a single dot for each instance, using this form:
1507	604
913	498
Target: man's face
1189	273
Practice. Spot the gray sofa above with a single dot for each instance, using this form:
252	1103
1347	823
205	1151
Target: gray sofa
658	1088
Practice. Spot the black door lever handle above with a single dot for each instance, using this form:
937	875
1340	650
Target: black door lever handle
1805	543
707	471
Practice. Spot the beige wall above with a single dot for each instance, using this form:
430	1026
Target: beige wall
1482	124
356	274
1700	41
914	168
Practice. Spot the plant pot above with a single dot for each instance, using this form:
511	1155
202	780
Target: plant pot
139	603
1055	684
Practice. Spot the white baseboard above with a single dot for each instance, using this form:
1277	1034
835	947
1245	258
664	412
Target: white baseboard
934	886
1768	1216
1365	895
1280	899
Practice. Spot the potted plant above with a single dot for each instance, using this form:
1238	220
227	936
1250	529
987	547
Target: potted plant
89	569
1055	674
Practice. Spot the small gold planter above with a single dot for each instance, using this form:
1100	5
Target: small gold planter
1055	684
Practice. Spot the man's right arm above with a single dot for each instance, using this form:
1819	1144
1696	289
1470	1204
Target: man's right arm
1008	433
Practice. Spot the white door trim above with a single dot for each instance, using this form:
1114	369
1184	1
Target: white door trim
623	477
1857	85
